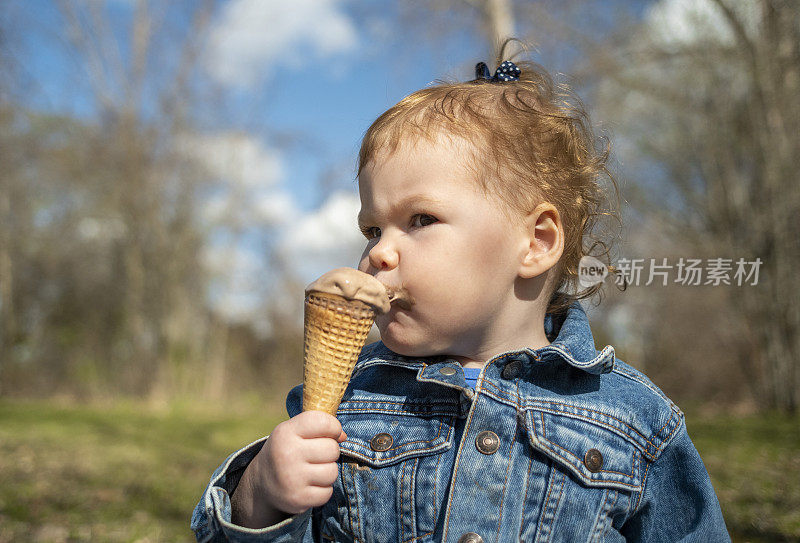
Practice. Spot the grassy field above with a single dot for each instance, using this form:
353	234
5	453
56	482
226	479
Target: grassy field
128	473
119	473
754	463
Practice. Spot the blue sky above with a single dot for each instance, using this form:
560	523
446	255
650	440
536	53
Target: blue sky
318	72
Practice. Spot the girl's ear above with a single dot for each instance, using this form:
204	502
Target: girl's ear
544	241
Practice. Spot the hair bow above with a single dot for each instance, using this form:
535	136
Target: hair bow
507	71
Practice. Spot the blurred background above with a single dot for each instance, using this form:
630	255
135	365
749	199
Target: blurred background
172	174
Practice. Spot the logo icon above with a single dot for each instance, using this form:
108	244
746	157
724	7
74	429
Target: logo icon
591	271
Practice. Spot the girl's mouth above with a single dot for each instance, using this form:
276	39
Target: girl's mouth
400	296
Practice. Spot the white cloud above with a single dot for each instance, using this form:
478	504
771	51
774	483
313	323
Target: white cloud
252	38
330	226
248	178
236	271
216	208
274	207
310	244
235	158
232	261
326	238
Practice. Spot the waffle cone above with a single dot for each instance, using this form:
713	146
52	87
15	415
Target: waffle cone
335	332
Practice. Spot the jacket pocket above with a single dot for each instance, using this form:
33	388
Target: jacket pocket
596	453
382	440
388	472
586	480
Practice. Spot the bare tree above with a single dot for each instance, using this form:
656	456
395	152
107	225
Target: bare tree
492	20
715	118
726	105
100	273
152	191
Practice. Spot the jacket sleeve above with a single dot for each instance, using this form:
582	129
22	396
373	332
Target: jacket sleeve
678	502
211	519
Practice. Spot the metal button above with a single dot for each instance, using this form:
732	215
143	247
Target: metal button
593	460
448	370
487	442
512	369
470	537
381	442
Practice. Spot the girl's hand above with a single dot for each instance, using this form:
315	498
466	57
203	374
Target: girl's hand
294	471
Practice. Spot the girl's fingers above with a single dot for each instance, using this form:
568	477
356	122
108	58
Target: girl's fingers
323	474
321	450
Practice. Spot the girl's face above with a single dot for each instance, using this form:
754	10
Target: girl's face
431	230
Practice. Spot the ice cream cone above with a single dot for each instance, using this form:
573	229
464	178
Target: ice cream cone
336	329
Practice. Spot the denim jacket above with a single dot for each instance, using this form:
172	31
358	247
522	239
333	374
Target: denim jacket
562	443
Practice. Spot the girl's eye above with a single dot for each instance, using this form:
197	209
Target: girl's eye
420	220
371	232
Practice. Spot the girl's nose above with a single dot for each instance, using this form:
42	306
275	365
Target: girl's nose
382	256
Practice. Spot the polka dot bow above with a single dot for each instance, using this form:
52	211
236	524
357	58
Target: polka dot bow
507	71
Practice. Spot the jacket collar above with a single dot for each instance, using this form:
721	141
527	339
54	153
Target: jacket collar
574	343
569	333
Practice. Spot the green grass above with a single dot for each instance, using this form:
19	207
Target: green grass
128	473
122	473
754	463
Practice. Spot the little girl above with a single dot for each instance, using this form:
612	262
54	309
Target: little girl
485	413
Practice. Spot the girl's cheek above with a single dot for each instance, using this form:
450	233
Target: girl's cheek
363	263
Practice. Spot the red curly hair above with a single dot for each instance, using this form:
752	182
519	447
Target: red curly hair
531	142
